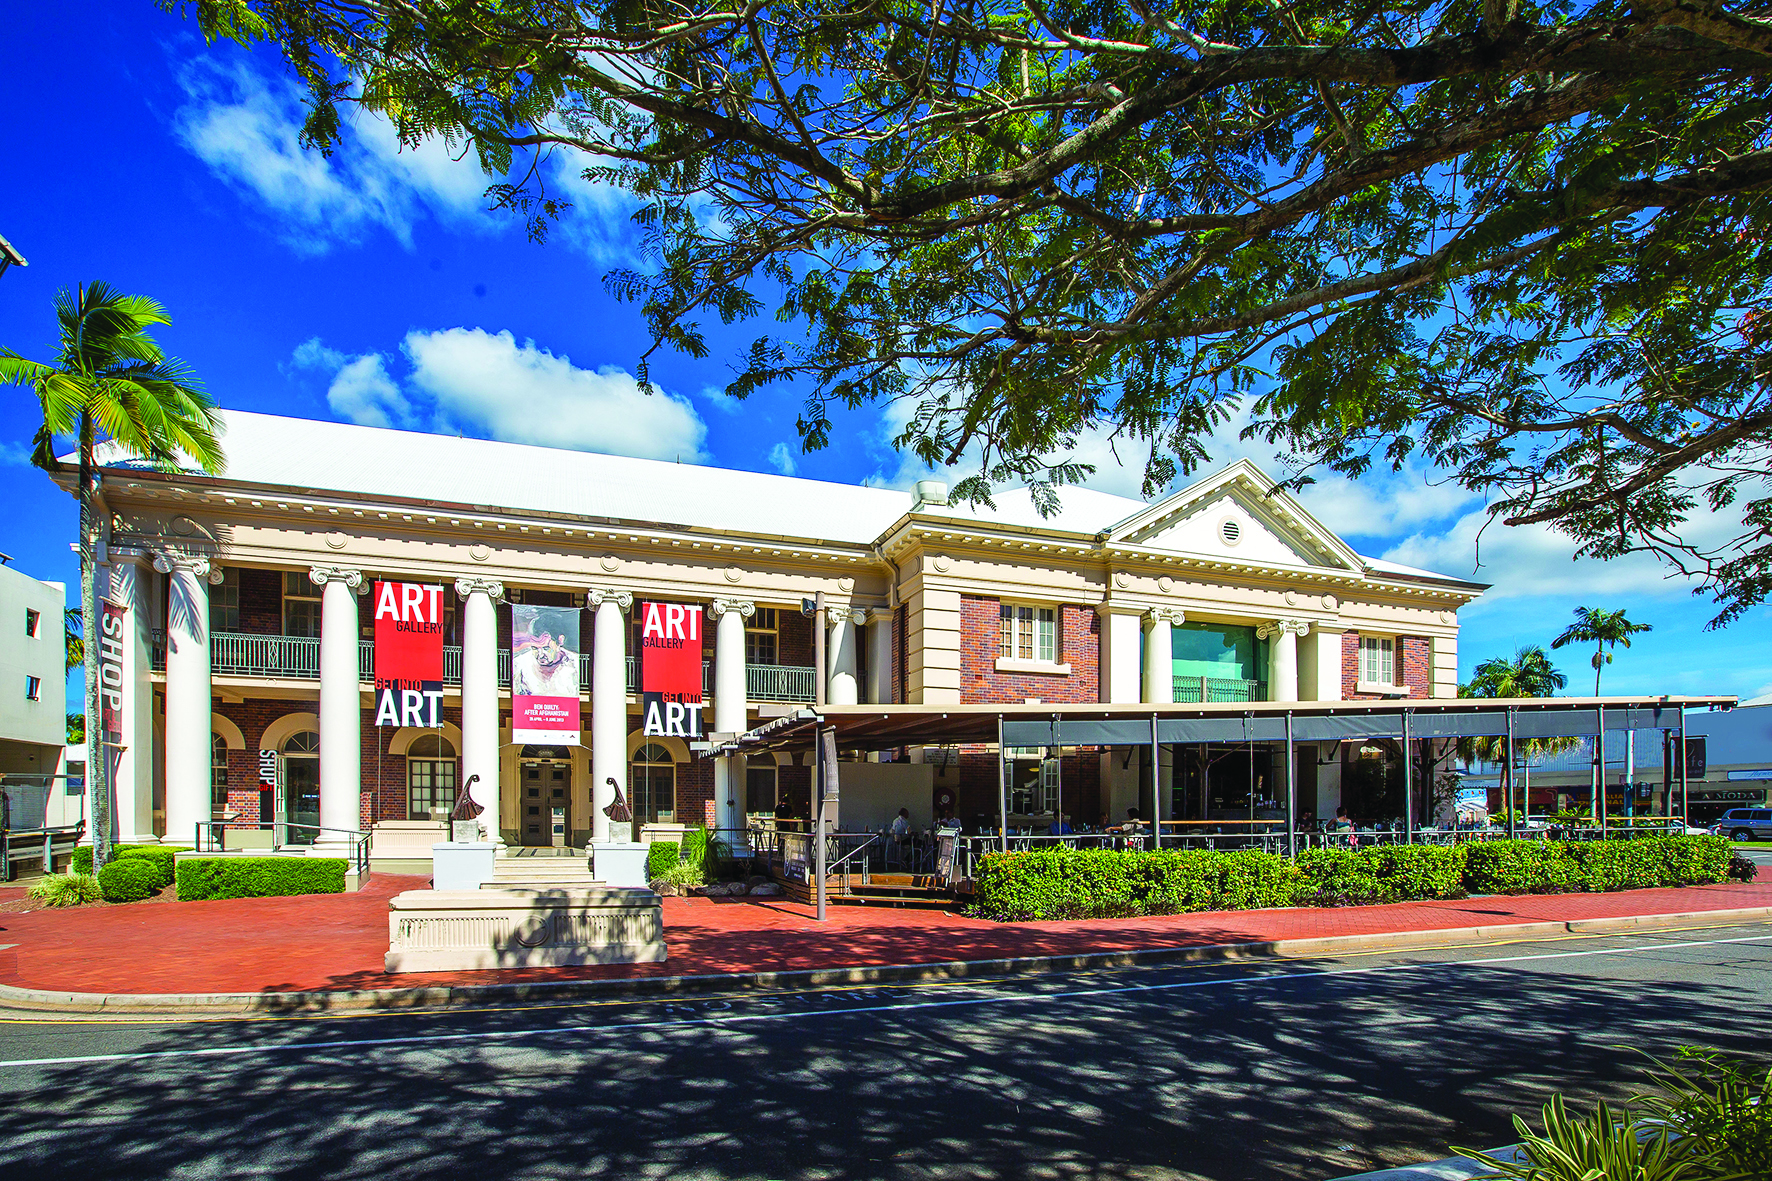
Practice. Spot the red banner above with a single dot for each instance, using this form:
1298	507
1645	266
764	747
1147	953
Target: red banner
670	669
408	655
110	670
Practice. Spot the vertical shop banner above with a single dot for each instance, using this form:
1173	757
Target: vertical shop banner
670	670
113	620
544	675
408	655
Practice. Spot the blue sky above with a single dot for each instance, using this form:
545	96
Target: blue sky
372	286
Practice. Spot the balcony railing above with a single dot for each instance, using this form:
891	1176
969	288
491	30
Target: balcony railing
1192	690
298	658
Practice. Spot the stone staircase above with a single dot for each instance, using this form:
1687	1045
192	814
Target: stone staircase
541	873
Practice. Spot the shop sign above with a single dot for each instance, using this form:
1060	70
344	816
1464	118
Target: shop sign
544	675
267	769
670	670
113	619
408	655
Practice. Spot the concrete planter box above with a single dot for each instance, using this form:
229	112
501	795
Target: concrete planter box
476	930
404	846
462	866
620	863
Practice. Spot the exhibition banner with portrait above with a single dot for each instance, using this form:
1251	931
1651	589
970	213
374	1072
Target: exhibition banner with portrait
670	670
544	675
408	655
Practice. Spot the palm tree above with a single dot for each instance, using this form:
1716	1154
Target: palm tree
110	381
1528	673
1603	629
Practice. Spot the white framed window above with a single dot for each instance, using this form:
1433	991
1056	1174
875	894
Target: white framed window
1378	660
33	688
762	637
301	605
218	774
1028	633
430	778
224	602
33	621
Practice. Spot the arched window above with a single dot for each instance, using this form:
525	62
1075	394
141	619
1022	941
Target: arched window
652	784
430	778
218	774
760	785
305	743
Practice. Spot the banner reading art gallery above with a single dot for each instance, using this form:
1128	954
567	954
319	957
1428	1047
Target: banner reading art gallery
544	675
408	655
670	670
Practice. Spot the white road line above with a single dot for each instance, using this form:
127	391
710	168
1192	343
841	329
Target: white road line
748	1018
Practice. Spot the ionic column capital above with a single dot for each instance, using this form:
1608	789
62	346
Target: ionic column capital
1170	615
492	588
1282	627
840	614
166	561
321	575
744	607
598	595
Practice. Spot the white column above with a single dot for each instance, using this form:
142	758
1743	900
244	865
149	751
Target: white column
840	654
132	784
730	709
880	655
479	695
1159	658
609	702
187	693
1121	640
1319	666
1282	634
341	708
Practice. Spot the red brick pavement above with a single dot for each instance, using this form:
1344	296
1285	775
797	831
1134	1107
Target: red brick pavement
337	941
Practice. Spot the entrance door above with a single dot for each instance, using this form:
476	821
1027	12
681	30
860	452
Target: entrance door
301	794
545	802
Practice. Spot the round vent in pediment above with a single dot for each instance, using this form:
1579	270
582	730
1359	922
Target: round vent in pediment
1230	531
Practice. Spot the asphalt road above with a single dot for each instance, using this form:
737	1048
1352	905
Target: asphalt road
1277	1069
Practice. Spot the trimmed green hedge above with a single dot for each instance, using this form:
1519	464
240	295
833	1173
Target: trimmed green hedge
80	861
161	859
258	877
128	879
1101	883
661	858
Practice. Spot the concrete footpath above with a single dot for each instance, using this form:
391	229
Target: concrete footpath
325	952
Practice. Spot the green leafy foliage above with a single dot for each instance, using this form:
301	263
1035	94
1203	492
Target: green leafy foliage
128	880
1526	243
80	861
158	856
1102	883
66	889
660	857
1605	1146
1722	1102
259	877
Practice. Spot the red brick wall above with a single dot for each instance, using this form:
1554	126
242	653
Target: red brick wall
1416	655
1350	667
1079	645
793	643
900	658
261	602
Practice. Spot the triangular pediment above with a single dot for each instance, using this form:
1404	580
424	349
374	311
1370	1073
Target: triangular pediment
1237	514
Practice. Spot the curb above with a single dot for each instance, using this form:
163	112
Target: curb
467	995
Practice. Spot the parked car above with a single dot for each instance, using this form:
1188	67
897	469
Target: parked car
1745	824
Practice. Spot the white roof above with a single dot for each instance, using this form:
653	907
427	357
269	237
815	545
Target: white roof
273	451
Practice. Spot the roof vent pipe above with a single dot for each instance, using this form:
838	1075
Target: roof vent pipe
929	492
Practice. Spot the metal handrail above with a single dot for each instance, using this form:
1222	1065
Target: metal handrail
1192	690
209	837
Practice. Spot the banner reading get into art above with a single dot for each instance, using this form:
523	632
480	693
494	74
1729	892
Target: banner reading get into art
670	670
408	655
544	675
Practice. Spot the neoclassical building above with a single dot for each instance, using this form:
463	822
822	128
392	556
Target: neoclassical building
248	654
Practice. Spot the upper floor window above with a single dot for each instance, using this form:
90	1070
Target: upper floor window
33	621
224	602
218	774
301	605
1028	633
762	637
33	688
1378	663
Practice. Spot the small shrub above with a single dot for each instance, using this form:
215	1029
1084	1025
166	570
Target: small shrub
128	879
694	848
161	859
1741	869
683	874
66	889
1603	1146
1722	1102
259	877
660	857
81	859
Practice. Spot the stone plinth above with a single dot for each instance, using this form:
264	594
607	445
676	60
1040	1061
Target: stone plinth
461	866
473	930
620	863
404	846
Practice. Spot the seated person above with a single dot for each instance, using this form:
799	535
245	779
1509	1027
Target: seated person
1134	822
1061	827
1341	823
901	825
948	821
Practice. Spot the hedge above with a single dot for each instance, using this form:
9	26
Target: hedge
128	879
661	857
1103	883
258	877
81	859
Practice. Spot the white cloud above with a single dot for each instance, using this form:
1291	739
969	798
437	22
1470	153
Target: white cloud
782	459
14	454
313	353
719	399
1385	503
524	394
363	392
